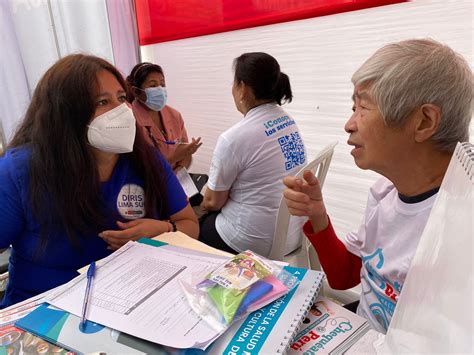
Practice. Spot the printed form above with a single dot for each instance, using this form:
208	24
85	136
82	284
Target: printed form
136	291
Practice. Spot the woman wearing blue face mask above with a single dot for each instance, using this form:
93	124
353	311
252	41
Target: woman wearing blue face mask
79	180
163	126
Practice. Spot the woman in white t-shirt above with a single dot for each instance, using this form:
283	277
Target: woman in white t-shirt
250	160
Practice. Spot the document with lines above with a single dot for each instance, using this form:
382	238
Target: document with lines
136	291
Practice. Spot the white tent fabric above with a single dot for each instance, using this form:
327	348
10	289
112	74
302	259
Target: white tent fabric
123	34
40	32
14	90
319	55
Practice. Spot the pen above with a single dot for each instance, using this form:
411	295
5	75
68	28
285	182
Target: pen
169	142
175	142
90	277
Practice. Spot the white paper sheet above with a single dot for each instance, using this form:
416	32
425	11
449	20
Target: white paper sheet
186	182
136	291
180	239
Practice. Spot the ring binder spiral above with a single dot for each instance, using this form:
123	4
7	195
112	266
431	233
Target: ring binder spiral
300	316
465	154
271	329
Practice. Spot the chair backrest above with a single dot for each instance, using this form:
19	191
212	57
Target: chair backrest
319	166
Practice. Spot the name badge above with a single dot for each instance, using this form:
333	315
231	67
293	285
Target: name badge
131	201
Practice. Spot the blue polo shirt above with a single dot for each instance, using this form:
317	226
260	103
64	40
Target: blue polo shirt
31	274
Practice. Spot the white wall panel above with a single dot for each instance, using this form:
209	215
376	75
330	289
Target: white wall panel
319	55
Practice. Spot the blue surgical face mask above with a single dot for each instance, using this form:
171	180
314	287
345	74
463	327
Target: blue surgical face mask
156	98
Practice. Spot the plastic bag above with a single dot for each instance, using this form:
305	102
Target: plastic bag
434	313
241	285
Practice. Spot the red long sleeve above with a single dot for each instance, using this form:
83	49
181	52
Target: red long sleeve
342	268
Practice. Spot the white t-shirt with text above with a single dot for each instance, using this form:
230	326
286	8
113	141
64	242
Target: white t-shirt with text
386	243
251	159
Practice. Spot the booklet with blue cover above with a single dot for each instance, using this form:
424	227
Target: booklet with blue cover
63	329
270	329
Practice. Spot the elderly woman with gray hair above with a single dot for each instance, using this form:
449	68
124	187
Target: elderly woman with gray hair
412	104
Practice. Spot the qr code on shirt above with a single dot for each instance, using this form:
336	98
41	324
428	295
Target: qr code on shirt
293	150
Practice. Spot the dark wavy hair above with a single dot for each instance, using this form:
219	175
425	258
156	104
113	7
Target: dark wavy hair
64	179
262	73
138	75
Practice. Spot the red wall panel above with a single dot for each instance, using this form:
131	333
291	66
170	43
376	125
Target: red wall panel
167	20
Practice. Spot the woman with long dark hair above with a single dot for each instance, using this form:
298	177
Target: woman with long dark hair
78	180
251	159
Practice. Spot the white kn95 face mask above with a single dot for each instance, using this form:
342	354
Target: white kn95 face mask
113	131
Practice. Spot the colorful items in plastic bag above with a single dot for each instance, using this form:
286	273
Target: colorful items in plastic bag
241	271
241	285
257	291
234	282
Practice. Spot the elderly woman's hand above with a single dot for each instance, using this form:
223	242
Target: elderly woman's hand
304	198
134	230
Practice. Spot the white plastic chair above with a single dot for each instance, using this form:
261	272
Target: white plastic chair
305	255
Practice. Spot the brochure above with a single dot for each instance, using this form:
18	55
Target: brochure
328	329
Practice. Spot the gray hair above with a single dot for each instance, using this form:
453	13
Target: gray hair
403	76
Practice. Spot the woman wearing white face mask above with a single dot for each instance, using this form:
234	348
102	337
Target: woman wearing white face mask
163	126
79	180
